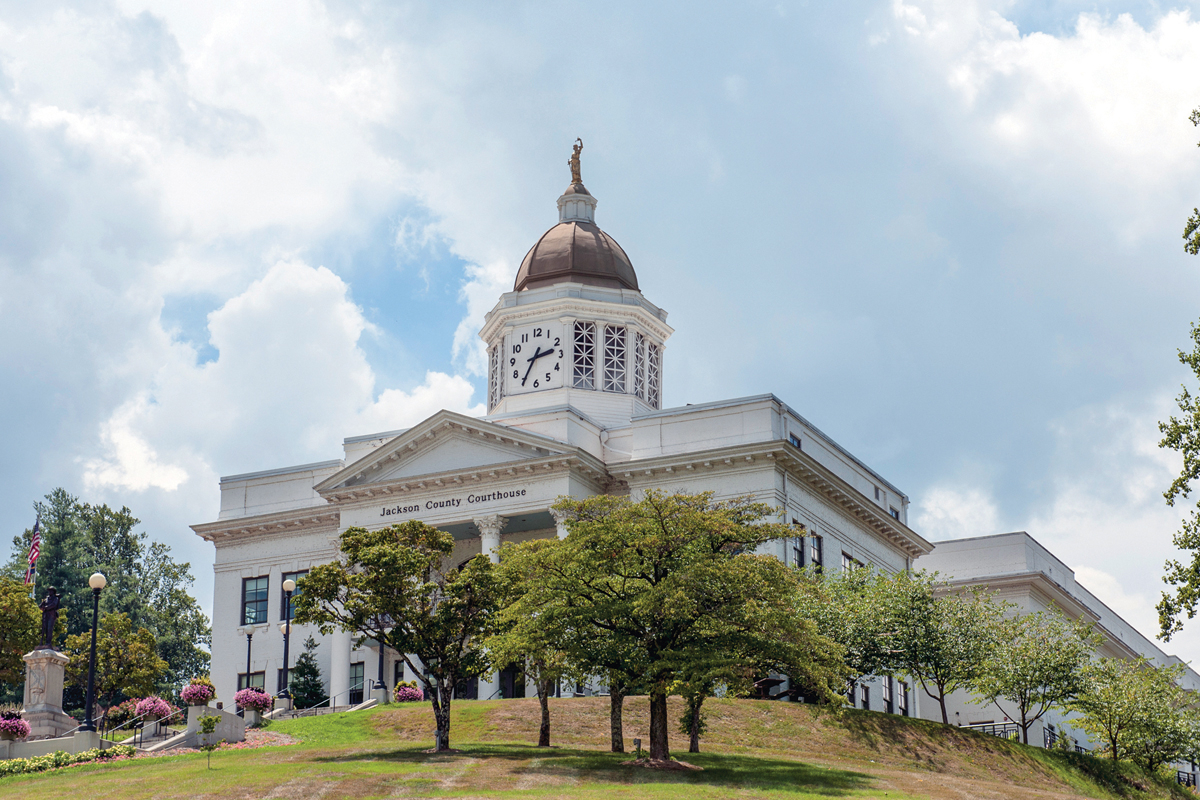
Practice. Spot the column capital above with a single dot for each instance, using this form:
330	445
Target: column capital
490	526
560	521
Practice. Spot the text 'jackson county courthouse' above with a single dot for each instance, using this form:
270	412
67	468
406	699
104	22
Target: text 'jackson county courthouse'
574	408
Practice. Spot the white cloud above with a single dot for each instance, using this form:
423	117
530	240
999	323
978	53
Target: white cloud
1136	608
131	462
947	512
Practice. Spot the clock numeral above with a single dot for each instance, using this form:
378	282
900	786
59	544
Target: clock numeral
557	343
560	353
524	337
555	368
512	362
516	348
547	376
537	333
535	384
516	373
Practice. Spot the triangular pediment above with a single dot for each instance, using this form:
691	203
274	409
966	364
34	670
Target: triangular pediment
446	442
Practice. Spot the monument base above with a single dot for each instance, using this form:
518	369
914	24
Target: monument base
45	671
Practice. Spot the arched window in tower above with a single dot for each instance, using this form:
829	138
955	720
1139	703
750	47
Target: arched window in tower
639	365
614	358
653	375
495	379
585	356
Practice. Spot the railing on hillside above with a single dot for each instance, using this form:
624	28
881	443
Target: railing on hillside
1186	778
326	706
1049	738
1005	730
137	727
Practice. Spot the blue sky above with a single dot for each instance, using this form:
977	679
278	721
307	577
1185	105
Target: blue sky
945	232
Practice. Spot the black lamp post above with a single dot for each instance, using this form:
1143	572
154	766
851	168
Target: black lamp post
249	631
289	586
97	582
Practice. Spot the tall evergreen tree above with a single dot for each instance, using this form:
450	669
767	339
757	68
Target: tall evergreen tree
304	679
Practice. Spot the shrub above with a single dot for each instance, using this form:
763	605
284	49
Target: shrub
153	708
254	699
407	694
21	766
199	692
11	723
121	713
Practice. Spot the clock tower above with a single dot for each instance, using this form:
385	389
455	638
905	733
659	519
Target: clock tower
575	330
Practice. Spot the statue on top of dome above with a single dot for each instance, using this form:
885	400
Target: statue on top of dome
573	162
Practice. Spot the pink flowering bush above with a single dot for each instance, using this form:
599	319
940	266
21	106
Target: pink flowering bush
254	699
198	694
153	708
407	694
12	724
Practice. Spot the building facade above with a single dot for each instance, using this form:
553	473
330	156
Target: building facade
574	409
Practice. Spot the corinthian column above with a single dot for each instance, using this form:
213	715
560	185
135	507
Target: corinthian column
560	522
489	532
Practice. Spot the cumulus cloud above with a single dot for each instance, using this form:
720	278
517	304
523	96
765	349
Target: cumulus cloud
949	512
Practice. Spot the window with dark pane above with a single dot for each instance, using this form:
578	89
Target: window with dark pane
283	602
254	600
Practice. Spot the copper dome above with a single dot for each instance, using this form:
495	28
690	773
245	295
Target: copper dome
576	251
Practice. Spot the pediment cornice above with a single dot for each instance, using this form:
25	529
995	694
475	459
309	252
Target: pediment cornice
370	470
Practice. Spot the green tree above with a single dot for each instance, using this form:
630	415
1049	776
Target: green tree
943	636
524	635
1138	711
127	661
857	608
1036	664
664	579
304	679
144	582
20	629
396	585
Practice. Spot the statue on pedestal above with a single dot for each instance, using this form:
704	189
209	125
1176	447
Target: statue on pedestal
49	606
573	162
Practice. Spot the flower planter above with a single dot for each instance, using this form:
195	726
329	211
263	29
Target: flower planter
7	736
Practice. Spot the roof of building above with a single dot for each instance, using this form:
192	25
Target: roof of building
576	251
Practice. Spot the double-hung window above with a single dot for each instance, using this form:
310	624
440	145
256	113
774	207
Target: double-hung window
254	600
283	598
816	549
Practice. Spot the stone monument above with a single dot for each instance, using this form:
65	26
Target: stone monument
45	669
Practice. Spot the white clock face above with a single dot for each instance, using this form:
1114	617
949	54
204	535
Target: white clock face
535	358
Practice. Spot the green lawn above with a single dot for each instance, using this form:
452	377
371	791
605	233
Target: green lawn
760	750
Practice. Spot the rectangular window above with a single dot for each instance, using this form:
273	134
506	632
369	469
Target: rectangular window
849	562
653	375
876	492
895	514
357	674
887	695
614	358
798	544
816	550
794	440
585	356
902	698
639	365
397	673
283	603
254	600
258	679
279	680
864	696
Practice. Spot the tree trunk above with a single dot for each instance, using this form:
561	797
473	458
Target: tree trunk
441	714
694	741
942	703
1024	732
543	692
660	749
616	702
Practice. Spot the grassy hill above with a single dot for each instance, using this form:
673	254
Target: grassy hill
753	750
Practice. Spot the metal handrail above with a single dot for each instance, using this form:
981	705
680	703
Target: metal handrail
1003	730
110	731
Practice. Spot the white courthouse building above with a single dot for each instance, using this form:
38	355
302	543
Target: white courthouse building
574	408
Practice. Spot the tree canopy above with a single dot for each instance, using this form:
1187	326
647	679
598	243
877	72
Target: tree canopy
127	661
144	582
667	579
20	628
397	586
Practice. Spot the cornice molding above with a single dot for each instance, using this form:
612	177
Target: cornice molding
799	465
580	307
281	523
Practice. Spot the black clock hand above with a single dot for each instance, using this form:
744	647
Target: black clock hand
532	359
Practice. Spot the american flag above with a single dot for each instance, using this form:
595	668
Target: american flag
35	550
